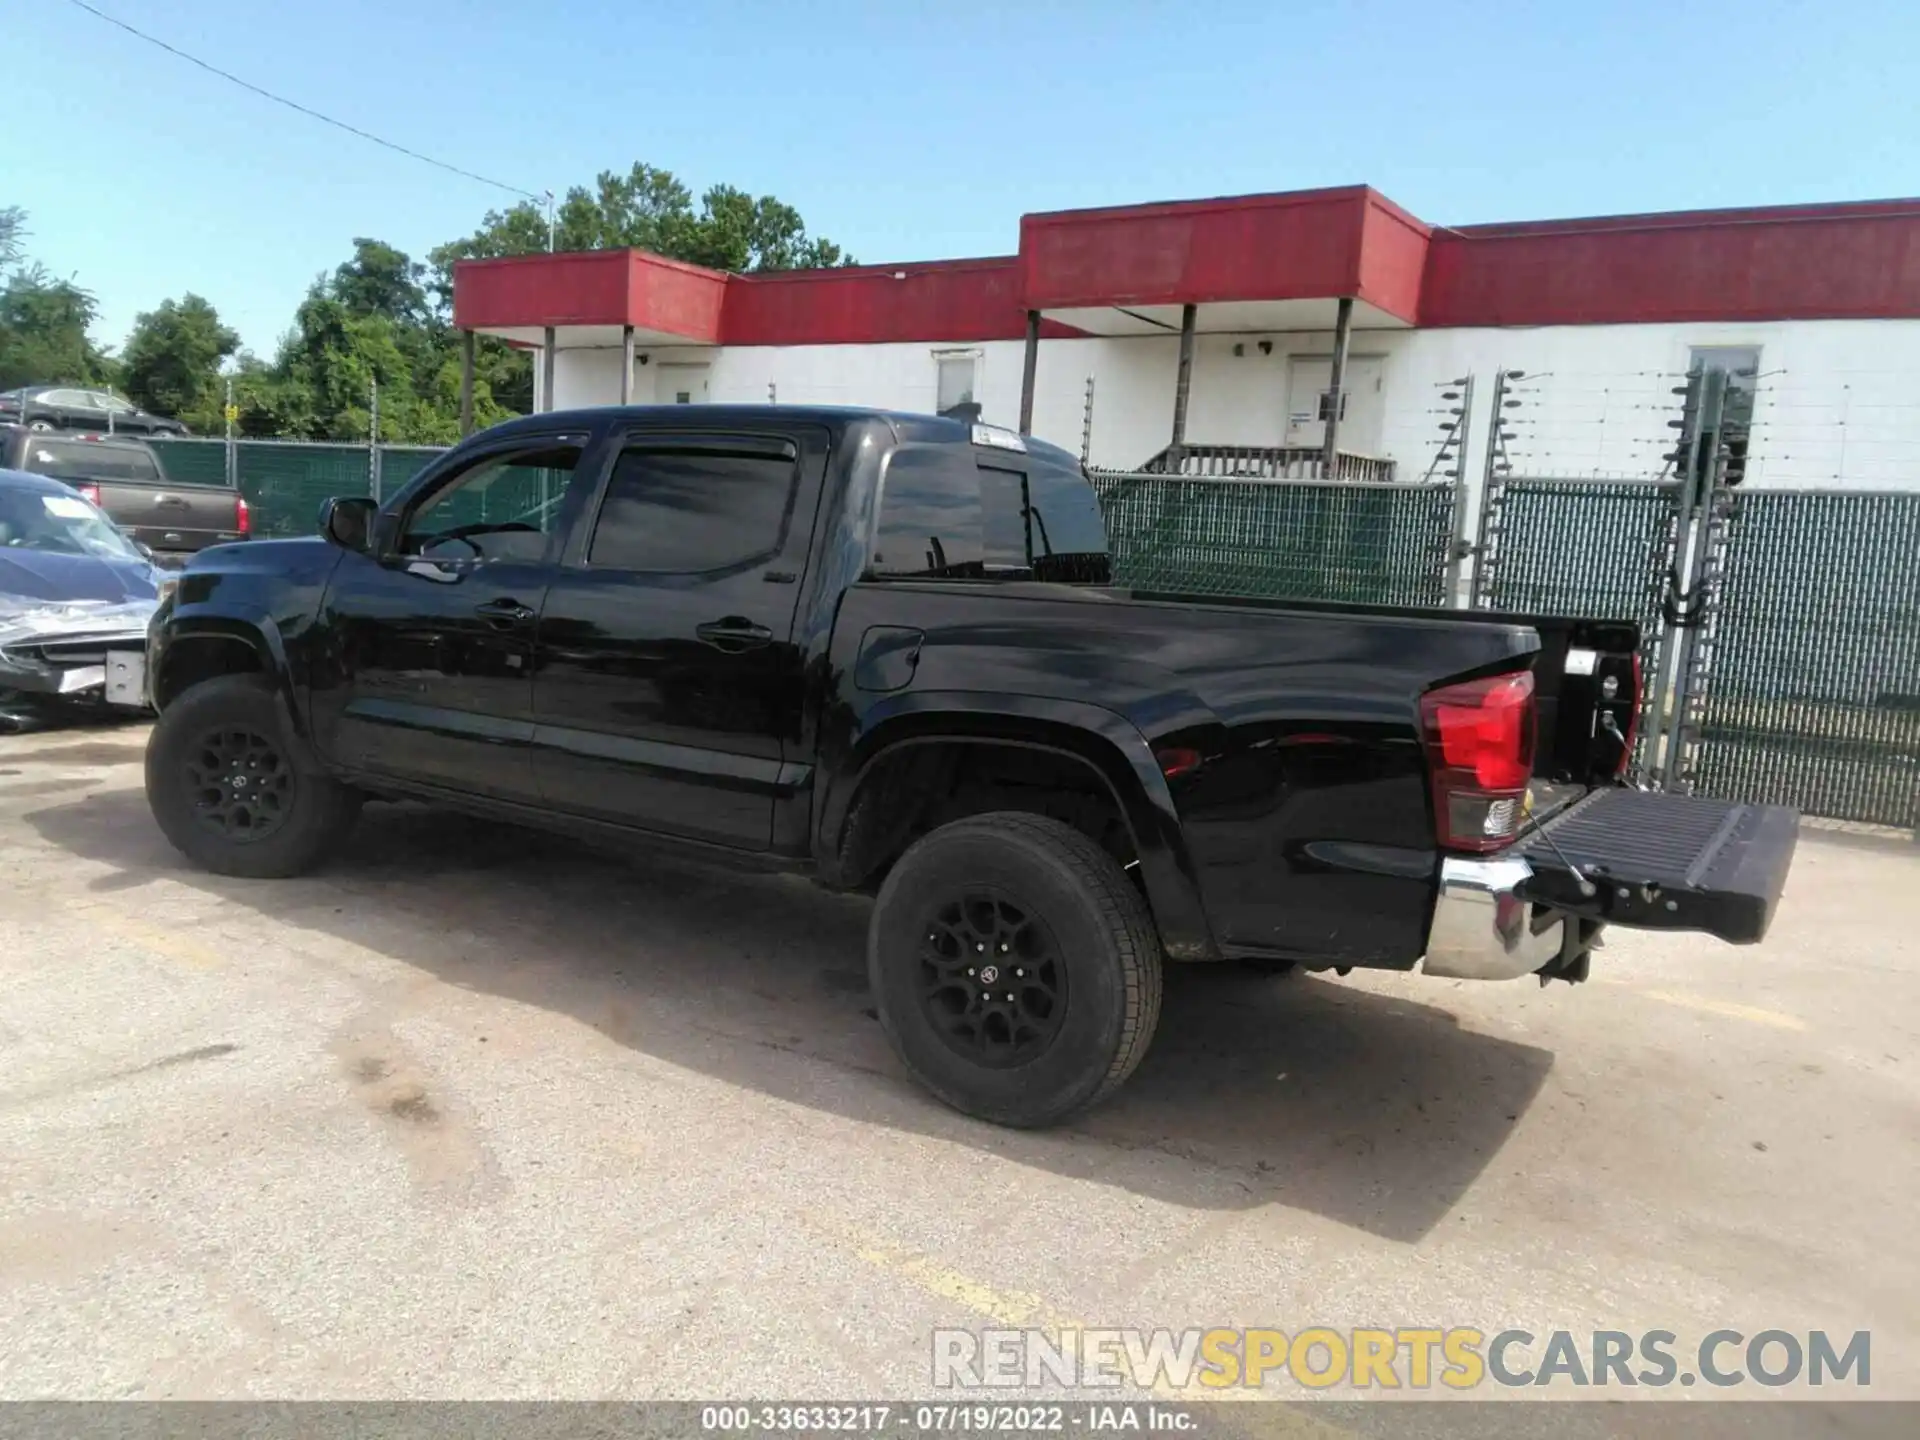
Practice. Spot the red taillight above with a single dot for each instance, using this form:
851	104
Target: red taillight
1479	736
242	516
89	492
1177	760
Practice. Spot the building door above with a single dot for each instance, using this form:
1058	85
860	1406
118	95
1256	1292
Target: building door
1308	377
683	384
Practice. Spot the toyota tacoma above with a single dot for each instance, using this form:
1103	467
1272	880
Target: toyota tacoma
886	650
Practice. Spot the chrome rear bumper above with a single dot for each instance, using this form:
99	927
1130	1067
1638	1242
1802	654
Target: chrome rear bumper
1481	929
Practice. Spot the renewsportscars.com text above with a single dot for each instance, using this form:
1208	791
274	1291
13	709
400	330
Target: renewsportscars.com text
1415	1357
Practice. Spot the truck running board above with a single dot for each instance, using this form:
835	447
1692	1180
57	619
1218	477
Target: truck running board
1664	862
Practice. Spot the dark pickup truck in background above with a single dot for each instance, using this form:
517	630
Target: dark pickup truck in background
884	649
124	478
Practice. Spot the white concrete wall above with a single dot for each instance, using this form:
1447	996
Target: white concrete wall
1839	400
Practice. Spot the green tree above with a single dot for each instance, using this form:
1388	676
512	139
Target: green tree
43	332
381	280
171	363
13	233
647	209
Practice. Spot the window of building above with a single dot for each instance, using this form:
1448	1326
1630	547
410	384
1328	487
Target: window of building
685	511
956	387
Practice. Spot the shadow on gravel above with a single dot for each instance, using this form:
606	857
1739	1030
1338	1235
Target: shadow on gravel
1372	1111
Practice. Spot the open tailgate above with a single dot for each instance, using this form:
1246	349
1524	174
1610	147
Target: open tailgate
1664	862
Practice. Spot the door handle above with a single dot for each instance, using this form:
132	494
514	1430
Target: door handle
733	634
503	613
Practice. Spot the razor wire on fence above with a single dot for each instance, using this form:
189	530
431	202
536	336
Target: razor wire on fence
1279	539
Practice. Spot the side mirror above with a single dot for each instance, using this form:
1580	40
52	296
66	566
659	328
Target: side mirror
144	548
348	521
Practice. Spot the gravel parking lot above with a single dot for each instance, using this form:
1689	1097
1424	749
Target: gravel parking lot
482	1113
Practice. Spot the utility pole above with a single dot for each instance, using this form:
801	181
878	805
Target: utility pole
233	469
550	222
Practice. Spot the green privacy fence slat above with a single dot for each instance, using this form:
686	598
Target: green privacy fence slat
1810	692
1378	544
285	480
192	462
1597	548
280	477
399	464
285	483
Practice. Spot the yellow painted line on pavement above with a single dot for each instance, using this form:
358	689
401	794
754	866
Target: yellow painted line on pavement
1707	1005
1020	1308
171	944
1011	1308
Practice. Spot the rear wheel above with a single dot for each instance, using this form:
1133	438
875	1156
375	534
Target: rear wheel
225	788
1017	971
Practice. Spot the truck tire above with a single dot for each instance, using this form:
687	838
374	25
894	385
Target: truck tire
225	786
1015	968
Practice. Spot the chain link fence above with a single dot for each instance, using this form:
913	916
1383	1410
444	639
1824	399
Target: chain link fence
285	481
1806	691
1279	539
1598	548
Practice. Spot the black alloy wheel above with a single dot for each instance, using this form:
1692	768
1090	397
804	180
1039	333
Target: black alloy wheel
992	984
243	786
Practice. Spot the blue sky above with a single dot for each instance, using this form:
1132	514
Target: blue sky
910	130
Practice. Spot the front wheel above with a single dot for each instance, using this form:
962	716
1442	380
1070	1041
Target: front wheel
223	783
1016	970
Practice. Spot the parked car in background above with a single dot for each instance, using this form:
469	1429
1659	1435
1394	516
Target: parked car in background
68	407
124	478
73	590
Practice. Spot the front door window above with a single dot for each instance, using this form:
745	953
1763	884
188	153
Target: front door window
503	508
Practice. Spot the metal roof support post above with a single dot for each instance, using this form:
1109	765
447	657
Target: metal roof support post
1028	370
1336	389
546	371
1182	387
466	383
626	364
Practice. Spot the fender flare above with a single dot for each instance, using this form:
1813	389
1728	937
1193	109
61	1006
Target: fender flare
261	635
1104	741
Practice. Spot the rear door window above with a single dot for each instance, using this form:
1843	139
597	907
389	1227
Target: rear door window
83	460
693	509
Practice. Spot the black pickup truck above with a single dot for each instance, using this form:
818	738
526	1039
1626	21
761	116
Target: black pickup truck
884	649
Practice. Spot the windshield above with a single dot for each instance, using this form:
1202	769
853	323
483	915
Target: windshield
59	524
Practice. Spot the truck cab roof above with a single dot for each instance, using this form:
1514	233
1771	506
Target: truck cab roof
906	425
